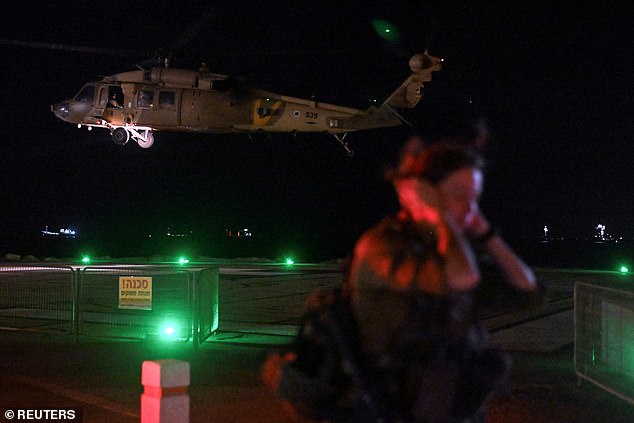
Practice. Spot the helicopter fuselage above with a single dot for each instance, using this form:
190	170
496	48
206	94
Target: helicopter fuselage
134	104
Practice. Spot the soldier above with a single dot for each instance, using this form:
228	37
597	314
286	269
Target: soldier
412	281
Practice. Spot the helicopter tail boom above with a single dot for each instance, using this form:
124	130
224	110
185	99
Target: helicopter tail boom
410	92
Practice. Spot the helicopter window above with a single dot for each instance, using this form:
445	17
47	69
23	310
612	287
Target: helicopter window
146	98
103	97
115	94
167	99
86	95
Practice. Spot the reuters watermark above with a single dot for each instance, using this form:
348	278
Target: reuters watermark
43	415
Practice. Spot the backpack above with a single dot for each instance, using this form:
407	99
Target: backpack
321	374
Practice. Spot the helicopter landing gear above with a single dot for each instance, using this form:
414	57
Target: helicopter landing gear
146	140
121	135
341	138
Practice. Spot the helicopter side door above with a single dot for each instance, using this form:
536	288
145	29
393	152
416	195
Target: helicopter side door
158	107
102	100
109	103
214	111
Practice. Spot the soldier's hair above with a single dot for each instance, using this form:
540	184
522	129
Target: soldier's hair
433	163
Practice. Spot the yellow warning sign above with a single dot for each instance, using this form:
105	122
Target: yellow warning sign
135	292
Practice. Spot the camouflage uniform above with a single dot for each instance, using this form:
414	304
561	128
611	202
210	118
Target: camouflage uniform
419	337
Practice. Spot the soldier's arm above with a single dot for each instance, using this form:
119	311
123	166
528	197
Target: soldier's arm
460	267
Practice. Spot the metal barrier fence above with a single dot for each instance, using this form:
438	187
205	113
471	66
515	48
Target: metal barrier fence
37	298
604	337
136	302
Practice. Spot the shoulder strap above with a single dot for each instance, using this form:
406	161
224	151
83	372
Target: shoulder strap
422	245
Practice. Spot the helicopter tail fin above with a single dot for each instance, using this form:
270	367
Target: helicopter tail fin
409	93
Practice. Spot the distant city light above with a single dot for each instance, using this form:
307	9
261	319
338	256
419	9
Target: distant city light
170	232
183	260
624	269
602	234
290	261
240	233
61	233
85	259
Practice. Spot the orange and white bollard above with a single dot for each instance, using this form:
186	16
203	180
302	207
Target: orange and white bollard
165	398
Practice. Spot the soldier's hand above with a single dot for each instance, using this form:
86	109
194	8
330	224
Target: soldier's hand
420	198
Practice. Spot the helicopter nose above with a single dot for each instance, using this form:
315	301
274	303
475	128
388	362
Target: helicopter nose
61	110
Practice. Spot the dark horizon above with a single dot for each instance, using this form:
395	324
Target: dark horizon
570	253
552	82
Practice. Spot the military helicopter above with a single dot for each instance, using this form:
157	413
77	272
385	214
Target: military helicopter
133	105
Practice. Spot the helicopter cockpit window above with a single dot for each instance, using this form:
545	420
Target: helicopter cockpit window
86	95
103	96
167	100
146	99
115	96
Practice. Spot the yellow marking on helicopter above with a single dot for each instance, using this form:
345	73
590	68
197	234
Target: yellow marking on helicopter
263	111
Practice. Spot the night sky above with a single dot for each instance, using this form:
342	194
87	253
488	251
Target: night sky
553	82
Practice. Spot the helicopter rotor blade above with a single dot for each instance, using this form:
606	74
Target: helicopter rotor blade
71	48
190	33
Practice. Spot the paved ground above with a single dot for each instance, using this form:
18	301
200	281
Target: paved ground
259	311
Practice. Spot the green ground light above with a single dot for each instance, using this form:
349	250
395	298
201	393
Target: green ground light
169	330
624	269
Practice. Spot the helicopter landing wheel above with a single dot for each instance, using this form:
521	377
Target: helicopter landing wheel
120	136
146	141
